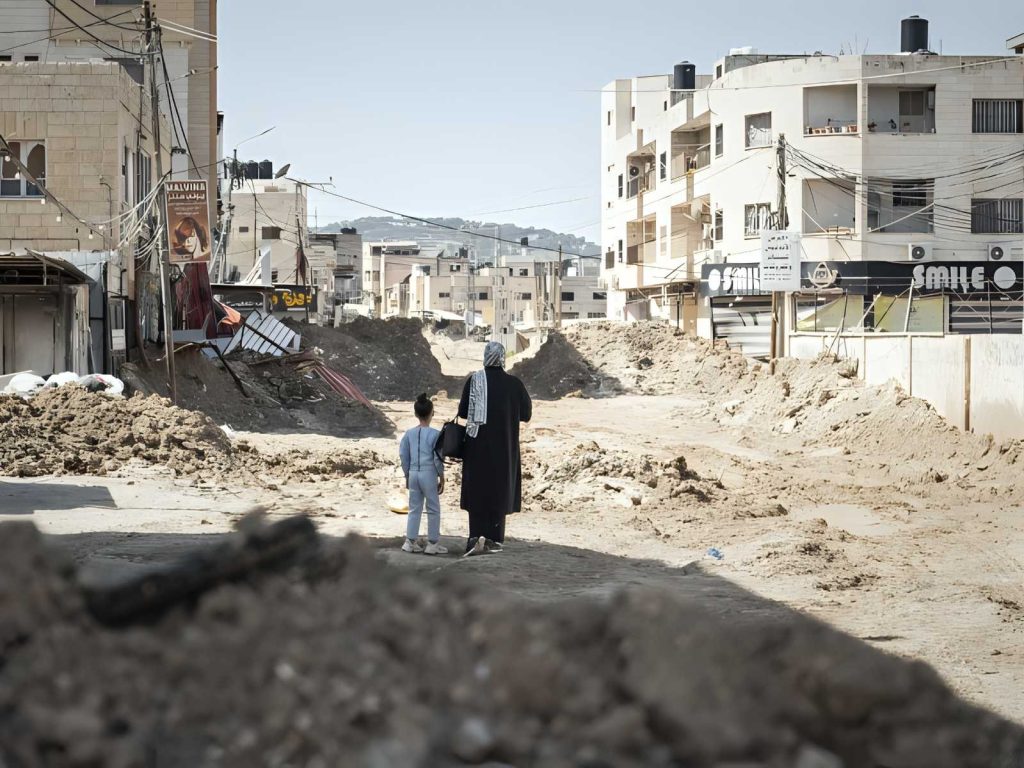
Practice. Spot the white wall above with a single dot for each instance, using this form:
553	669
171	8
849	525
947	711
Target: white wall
939	366
974	382
997	385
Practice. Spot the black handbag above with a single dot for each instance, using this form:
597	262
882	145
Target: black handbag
451	442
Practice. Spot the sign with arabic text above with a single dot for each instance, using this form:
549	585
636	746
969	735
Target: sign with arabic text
188	221
780	261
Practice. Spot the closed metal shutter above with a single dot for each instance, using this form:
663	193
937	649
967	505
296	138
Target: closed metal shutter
745	322
1000	313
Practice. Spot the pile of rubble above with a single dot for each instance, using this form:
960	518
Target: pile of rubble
71	431
558	370
260	394
656	359
289	650
601	359
590	473
387	359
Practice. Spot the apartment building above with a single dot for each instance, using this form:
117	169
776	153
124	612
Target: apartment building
335	262
106	30
267	214
899	169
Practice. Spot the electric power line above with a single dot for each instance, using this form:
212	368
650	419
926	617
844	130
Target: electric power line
85	29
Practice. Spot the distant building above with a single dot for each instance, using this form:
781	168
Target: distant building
266	213
335	260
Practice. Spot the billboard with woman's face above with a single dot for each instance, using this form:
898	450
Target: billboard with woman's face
188	222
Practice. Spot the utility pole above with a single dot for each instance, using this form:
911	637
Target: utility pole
782	222
303	263
152	45
472	289
558	289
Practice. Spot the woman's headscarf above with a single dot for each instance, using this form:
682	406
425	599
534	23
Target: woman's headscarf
494	357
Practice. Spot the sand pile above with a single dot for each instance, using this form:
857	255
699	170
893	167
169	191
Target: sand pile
279	396
70	431
819	402
360	665
656	359
387	359
557	370
590	473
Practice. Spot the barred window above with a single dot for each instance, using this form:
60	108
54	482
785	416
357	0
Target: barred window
998	116
756	217
997	216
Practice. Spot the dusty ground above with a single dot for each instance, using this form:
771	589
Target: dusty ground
855	506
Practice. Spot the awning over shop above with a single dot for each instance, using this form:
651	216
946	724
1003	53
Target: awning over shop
29	268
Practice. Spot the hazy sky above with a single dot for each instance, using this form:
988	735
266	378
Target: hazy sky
460	108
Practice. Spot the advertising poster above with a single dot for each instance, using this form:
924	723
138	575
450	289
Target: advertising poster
188	222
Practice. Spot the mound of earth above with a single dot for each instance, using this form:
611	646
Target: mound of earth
590	473
278	396
71	431
655	359
358	664
557	369
387	359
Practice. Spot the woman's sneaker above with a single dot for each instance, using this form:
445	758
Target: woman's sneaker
479	547
435	548
411	546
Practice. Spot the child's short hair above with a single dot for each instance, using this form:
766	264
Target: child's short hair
423	406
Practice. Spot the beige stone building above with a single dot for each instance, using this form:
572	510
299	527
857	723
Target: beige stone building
189	53
82	131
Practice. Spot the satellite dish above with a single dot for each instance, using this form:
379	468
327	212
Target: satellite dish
283	170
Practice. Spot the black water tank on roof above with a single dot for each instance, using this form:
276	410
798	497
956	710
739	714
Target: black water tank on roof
266	170
684	77
913	34
252	170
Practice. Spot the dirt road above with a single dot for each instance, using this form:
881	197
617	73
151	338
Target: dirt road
927	570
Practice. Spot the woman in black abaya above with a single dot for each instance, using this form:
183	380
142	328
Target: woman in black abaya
493	404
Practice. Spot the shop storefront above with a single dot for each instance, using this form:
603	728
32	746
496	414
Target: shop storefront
868	296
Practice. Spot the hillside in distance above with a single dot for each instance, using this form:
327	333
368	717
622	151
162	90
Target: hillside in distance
374	228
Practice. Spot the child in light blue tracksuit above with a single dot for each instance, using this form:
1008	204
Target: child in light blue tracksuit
424	477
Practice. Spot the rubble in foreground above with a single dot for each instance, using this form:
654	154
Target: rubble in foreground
350	662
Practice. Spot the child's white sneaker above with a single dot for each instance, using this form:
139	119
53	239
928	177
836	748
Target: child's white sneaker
411	546
433	548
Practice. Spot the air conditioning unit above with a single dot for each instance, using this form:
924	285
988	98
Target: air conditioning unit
998	251
634	171
919	251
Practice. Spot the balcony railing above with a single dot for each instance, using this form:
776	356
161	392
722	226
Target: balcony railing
690	159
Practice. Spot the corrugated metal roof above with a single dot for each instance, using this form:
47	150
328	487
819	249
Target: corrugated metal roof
33	262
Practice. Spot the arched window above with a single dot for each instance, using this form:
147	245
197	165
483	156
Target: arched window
28	154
